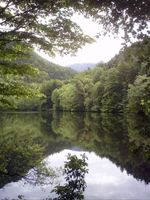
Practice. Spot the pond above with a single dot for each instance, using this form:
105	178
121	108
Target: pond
117	148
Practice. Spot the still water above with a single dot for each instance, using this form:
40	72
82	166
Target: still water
117	147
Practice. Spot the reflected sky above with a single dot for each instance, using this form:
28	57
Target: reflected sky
104	181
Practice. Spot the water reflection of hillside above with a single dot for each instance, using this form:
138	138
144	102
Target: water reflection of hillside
25	139
125	141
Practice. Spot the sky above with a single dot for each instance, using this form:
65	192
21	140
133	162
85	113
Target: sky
100	51
104	181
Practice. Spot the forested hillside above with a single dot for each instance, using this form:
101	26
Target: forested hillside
49	27
47	69
27	80
80	67
49	77
123	84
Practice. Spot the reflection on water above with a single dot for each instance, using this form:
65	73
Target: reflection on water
119	162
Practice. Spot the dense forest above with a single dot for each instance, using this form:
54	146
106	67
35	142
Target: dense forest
47	69
28	80
117	86
121	85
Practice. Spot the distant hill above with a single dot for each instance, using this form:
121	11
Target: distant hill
48	70
80	67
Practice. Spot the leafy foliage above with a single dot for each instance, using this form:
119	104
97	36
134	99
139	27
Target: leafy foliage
138	95
47	70
12	72
24	82
75	169
130	16
106	87
18	153
22	150
49	24
125	140
46	25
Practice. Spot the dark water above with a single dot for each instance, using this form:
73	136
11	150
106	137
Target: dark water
117	147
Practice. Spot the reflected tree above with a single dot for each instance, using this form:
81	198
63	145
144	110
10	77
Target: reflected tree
21	147
139	148
18	154
75	170
122	139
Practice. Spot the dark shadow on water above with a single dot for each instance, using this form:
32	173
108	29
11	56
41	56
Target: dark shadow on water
26	139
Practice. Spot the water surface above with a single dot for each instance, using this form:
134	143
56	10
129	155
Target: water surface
117	147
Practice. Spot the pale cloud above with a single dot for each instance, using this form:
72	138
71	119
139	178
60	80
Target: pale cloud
104	181
103	49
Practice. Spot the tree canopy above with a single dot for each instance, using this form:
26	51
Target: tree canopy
132	16
12	72
120	85
48	24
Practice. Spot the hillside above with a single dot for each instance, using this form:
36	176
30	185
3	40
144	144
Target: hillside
47	69
80	67
121	85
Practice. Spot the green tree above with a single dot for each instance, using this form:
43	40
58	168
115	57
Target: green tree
47	89
26	20
20	150
44	24
138	95
47	69
24	24
12	72
98	91
69	97
98	75
56	99
48	25
112	100
75	169
84	85
28	104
